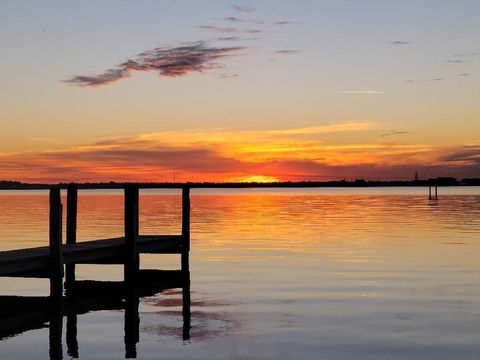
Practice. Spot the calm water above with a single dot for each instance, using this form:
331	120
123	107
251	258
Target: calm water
307	274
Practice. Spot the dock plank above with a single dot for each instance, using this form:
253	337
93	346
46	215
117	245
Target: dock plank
24	262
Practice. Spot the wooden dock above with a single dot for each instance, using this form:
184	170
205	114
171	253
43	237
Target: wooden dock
58	259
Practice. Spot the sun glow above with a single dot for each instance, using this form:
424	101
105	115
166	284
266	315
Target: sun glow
257	179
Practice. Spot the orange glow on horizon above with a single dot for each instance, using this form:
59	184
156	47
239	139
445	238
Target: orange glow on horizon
303	154
256	179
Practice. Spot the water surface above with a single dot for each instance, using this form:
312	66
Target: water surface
281	274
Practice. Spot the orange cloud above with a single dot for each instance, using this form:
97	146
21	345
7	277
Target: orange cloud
243	155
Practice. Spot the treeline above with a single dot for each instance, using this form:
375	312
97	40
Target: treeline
440	181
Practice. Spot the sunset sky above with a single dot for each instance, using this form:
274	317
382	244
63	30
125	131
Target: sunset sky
239	91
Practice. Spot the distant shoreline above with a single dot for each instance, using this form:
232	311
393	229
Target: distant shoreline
442	181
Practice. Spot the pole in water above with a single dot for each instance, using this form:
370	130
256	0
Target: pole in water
429	192
436	193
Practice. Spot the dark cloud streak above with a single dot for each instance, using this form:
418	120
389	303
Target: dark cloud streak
254	31
235	19
468	155
221	29
426	80
288	51
244	9
218	28
236	38
167	62
395	133
466	54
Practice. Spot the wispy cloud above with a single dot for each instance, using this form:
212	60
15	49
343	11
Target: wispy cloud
218	28
108	77
463	74
253	31
283	23
228	76
244	9
469	54
424	80
455	61
324	129
241	20
235	19
468	155
229	38
359	92
237	38
221	29
166	61
395	133
288	51
399	42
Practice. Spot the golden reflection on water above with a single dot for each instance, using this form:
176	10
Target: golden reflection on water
255	223
384	230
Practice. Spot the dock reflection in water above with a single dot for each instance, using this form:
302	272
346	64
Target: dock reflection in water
19	313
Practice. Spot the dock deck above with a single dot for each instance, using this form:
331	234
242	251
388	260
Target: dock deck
22	262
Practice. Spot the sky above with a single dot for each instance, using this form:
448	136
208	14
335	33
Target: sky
239	91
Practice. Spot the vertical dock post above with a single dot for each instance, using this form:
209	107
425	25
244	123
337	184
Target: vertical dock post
185	226
429	192
185	262
436	192
55	244
71	331
131	265
72	198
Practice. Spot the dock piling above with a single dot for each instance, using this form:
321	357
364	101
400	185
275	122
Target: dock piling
132	262
55	243
185	262
432	196
185	226
72	199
